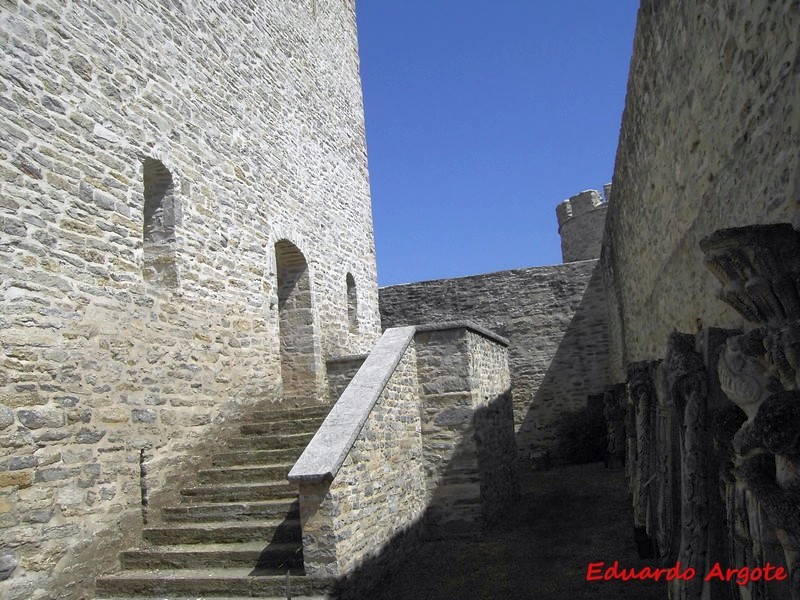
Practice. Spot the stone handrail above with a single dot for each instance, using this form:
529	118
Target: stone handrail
325	454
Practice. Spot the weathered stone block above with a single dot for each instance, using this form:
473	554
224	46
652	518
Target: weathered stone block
6	418
38	418
7	565
21	479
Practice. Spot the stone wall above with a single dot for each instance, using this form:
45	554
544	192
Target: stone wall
581	221
379	489
467	429
708	141
152	155
708	157
555	320
340	370
420	444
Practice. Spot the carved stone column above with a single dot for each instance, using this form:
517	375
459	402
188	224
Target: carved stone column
668	466
614	412
759	268
687	381
642	395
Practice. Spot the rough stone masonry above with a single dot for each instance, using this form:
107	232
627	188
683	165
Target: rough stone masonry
184	219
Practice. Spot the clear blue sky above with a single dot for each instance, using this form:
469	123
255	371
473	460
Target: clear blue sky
481	117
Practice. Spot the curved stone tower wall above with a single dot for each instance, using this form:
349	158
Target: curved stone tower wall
131	335
581	221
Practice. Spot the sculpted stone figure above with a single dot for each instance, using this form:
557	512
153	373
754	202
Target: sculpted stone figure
667	476
766	446
759	267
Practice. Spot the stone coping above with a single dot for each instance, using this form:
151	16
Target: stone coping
329	447
346	358
472	326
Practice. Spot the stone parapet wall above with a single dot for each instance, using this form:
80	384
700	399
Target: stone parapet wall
152	155
554	319
467	430
708	141
493	426
379	490
420	444
361	478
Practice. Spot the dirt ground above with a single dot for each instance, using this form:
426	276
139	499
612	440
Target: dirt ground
566	518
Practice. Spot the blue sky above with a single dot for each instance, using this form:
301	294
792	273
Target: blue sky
481	117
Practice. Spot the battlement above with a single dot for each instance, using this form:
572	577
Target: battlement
581	203
581	221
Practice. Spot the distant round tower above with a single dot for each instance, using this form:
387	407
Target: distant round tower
581	221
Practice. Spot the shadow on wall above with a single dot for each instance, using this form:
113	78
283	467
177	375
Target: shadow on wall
462	504
578	369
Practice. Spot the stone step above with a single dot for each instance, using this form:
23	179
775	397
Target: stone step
223	532
241	492
253	554
269	442
246	474
229	511
284	427
257	457
216	583
319	411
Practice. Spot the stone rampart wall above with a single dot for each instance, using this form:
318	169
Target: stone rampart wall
555	320
708	141
247	125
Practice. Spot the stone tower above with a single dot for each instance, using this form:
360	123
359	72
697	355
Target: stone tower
581	221
185	237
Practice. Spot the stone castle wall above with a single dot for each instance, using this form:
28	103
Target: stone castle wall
151	156
555	320
708	141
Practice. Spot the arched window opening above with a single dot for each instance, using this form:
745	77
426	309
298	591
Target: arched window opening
160	214
352	304
299	359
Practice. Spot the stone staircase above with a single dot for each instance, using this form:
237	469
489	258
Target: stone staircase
237	531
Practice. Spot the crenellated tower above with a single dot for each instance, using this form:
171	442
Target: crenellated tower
581	221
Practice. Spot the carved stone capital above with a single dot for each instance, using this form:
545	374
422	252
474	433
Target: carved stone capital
758	267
